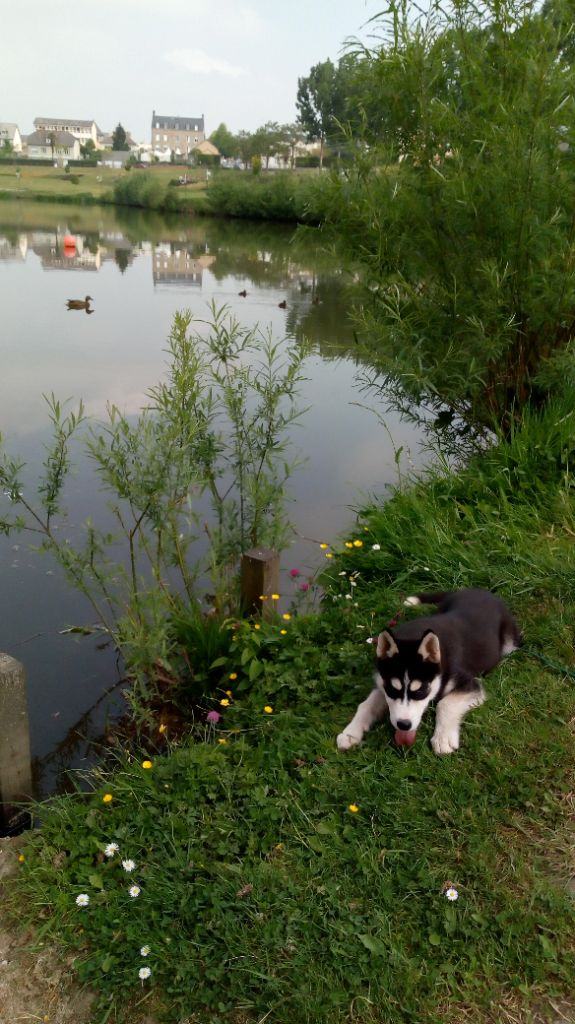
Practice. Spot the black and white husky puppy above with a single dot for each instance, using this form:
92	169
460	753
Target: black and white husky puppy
436	658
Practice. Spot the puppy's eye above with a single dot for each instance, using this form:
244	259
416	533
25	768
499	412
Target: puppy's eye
396	684
415	686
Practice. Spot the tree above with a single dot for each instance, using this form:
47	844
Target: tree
458	208
119	138
267	141
321	103
245	147
88	149
225	141
6	149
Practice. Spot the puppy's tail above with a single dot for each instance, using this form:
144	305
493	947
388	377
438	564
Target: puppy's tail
436	598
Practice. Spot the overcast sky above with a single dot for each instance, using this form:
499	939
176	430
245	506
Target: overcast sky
117	60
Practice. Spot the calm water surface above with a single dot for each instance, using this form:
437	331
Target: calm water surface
140	268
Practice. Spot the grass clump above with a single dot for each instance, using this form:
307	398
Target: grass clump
278	877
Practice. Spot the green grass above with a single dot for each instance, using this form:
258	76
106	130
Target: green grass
97	183
262	893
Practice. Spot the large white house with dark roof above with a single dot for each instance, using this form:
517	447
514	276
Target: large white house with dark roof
81	130
52	145
179	134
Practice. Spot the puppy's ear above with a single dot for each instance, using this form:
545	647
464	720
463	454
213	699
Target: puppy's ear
386	645
429	647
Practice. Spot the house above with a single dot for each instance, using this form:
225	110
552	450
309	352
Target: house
178	134
9	133
53	145
206	148
107	141
115	158
81	130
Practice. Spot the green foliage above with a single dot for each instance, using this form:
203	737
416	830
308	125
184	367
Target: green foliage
119	138
224	140
140	189
282	196
324	98
214	433
457	209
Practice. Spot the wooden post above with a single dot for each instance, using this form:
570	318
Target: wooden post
260	576
15	760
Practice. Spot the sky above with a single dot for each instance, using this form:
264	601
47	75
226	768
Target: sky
118	60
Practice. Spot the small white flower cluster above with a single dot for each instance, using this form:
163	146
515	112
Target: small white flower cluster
83	900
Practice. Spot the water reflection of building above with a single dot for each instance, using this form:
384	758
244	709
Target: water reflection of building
174	265
13	249
55	257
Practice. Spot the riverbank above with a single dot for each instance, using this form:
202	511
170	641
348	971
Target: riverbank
260	872
275	196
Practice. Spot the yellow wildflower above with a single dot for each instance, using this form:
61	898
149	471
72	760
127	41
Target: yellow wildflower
348	544
324	546
268	709
353	808
233	675
275	597
257	626
107	798
220	740
286	616
162	728
21	858
225	702
146	764
358	543
283	632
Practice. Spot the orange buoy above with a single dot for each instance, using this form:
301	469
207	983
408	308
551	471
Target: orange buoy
69	242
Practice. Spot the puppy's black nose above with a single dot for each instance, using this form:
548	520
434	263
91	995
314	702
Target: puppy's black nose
404	726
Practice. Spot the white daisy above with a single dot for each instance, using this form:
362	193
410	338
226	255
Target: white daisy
452	895
144	973
83	899
111	849
134	891
145	951
376	547
128	865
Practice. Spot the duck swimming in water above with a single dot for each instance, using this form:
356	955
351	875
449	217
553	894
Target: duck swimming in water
81	304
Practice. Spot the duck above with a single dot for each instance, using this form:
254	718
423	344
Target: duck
81	303
243	294
282	305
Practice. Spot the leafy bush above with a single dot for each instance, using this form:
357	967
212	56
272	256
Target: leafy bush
270	196
458	207
139	189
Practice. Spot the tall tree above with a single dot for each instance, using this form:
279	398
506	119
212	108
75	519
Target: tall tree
320	103
119	138
224	140
267	141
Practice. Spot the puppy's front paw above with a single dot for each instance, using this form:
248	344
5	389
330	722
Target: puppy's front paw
345	741
445	741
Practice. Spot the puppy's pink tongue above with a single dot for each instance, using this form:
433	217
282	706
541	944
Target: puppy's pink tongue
405	739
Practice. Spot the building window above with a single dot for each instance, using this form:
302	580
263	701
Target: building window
165	138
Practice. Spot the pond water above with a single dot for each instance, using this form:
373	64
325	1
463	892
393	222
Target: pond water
139	269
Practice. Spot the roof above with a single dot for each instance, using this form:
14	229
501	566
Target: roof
40	121
207	148
43	137
8	127
178	124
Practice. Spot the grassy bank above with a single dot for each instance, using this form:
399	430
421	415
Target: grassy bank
97	184
286	196
277	879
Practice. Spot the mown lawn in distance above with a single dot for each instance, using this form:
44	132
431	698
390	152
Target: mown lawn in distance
95	181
